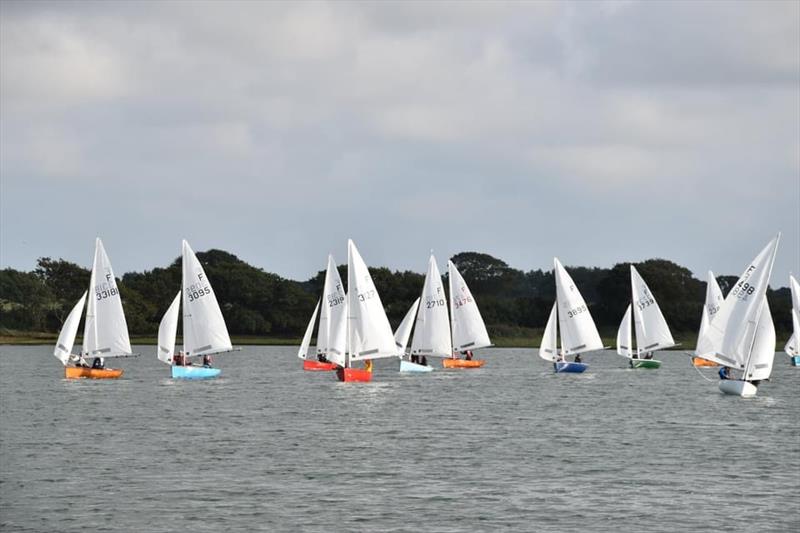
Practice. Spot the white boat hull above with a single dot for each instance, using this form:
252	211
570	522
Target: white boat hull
736	387
408	366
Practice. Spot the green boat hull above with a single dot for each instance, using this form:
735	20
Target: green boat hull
645	363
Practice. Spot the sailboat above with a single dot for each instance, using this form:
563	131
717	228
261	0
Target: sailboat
468	329
713	301
742	335
331	335
204	330
652	331
571	315
401	337
105	331
432	327
368	333
792	347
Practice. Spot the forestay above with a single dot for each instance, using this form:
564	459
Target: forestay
432	328
370	335
469	330
548	350
578	331
624	338
729	337
66	339
652	331
167	330
303	351
105	332
759	364
204	330
713	301
403	332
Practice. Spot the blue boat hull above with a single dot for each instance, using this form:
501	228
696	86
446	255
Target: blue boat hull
194	372
408	366
796	360
570	367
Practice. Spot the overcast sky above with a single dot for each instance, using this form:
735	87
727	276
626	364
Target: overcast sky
598	132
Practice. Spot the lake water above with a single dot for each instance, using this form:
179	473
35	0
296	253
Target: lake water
510	447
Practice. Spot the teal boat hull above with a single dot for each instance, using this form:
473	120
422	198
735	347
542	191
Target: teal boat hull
796	360
194	372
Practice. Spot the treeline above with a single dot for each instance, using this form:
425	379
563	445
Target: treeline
259	303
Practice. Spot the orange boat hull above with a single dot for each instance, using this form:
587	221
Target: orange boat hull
463	363
697	361
318	366
353	375
73	372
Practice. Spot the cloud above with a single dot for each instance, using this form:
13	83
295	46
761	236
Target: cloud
279	129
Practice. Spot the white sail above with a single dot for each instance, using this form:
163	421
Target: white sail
730	335
303	351
624	338
549	349
105	332
652	331
167	330
204	330
404	329
792	347
432	328
713	301
332	332
469	331
370	335
578	331
68	331
759	364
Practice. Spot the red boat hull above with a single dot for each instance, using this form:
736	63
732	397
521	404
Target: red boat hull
318	366
353	374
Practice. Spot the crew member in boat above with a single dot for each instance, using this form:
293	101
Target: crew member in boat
415	358
368	365
178	360
577	358
424	361
321	358
207	362
467	355
98	363
648	355
725	373
79	361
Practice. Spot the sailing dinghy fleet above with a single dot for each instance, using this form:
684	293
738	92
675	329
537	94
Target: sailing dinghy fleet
736	332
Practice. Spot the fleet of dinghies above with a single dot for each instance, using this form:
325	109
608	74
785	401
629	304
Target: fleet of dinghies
736	332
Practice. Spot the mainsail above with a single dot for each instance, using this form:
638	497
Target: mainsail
578	331
105	332
469	330
432	329
204	330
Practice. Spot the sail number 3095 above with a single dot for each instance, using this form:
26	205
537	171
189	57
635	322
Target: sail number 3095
195	293
572	313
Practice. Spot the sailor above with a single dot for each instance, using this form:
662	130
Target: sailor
424	361
98	363
207	361
725	373
468	355
577	358
368	365
79	361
